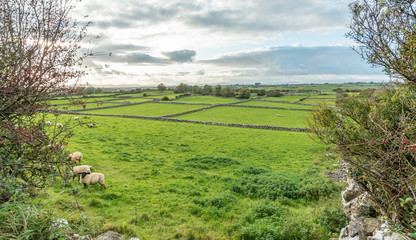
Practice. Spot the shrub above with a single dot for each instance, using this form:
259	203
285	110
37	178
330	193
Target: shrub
317	187
263	221
333	219
165	98
21	221
267	184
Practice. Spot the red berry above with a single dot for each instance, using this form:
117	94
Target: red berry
358	142
374	142
384	141
405	141
366	140
403	187
384	123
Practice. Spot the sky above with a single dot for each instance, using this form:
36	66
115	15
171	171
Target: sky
198	42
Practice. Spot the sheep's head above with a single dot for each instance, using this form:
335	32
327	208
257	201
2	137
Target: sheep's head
84	174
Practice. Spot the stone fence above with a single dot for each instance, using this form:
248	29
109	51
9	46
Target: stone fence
192	121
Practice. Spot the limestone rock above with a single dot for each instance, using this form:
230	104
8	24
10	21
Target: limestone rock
369	225
110	235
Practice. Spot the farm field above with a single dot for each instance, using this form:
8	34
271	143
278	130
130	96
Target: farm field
132	100
286	98
174	180
87	105
206	99
256	116
276	104
148	109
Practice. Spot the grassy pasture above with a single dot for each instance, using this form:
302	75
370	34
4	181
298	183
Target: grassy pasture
148	109
286	98
207	99
132	100
148	93
187	181
275	104
329	102
87	105
64	101
257	116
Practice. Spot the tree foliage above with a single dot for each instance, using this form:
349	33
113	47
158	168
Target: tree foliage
376	134
39	54
386	32
227	91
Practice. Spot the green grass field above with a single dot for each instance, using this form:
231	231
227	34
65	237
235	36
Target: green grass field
148	109
132	100
207	99
274	104
286	98
176	180
169	180
256	116
87	105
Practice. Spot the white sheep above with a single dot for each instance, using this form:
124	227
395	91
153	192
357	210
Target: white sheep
75	156
76	118
92	179
59	125
48	123
78	170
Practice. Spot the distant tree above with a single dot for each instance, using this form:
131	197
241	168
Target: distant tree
161	87
227	91
207	90
274	93
261	92
38	49
386	34
217	90
181	88
196	89
244	93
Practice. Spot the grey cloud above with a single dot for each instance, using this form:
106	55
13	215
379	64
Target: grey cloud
200	72
297	61
181	56
251	16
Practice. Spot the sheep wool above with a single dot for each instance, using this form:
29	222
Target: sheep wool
48	123
75	156
92	179
59	125
76	118
78	170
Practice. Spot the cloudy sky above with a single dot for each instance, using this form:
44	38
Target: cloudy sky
222	42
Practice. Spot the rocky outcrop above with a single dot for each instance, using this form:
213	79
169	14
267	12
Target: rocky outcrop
355	203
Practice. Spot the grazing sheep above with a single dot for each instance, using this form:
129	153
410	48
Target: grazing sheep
75	156
92	179
78	170
48	123
59	125
76	118
92	124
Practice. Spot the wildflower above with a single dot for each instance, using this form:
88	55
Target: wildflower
412	220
